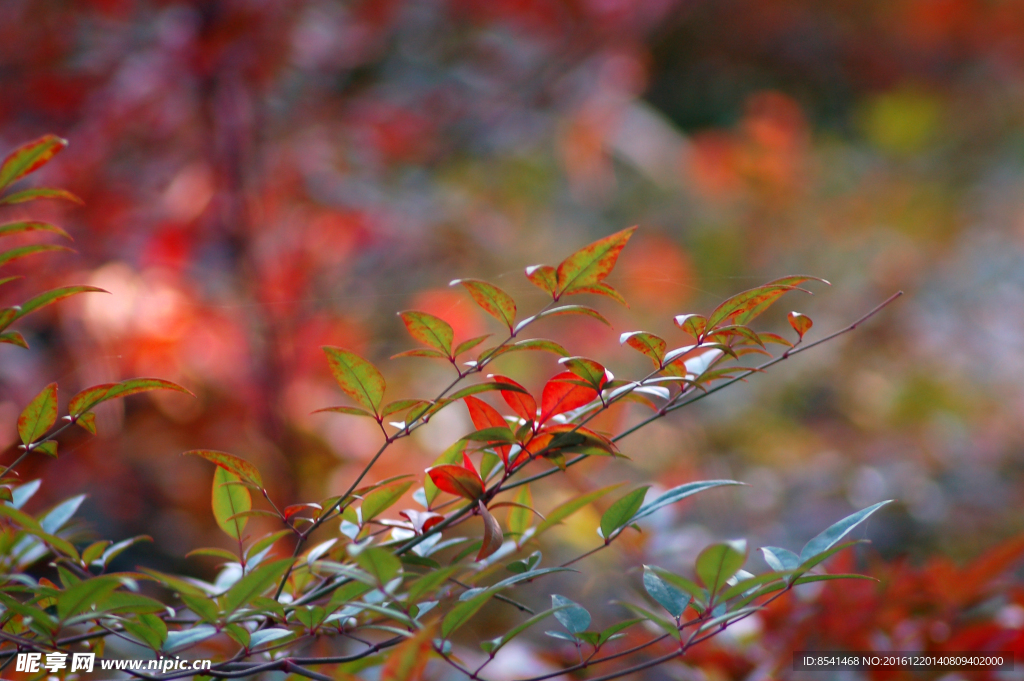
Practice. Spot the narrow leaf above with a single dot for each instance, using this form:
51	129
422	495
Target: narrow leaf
236	465
570	615
40	193
39	416
31	226
29	157
831	536
619	514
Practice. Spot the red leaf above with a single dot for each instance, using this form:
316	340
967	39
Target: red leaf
562	394
486	416
544	277
522	403
456	480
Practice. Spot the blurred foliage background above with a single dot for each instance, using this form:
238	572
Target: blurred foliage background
262	177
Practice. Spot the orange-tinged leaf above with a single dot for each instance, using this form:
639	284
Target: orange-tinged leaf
235	464
601	289
421	352
456	480
18	253
87	421
40	193
48	298
31	226
432	331
356	377
801	323
522	403
651	346
734	331
746	305
768	337
564	310
467	345
535	344
351	411
29	157
90	397
592	373
39	416
693	324
14	338
228	501
493	537
561	395
544	277
492	299
592	263
409	659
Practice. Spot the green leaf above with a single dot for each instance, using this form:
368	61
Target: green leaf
622	511
486	387
24	251
567	508
429	582
544	277
519	517
408	660
467	345
831	536
179	640
84	595
29	611
601	289
719	562
380	563
351	411
422	352
825	555
668	627
492	299
213	552
781	560
229	500
357	378
262	636
677	494
523	626
382	498
593	373
48	298
746	585
535	344
14	338
693	324
40	193
563	310
29	157
399	406
666	595
464	610
651	346
698	594
255	584
90	397
606	634
570	615
39	416
31	226
432	331
725	619
236	465
592	263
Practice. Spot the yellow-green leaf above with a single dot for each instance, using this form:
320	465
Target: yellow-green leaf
230	499
29	157
39	416
356	377
236	465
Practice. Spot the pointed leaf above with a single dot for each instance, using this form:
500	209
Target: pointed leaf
719	562
39	416
409	659
467	345
781	560
592	263
561	395
456	480
380	563
567	508
31	226
570	615
619	514
179	640
544	277
254	584
236	465
519	518
536	344
601	289
667	596
40	193
90	397
351	411
801	323
492	299
831	536
382	498
29	157
24	251
493	537
521	401
432	331
677	494
229	500
648	344
563	310
357	378
84	595
14	338
52	296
